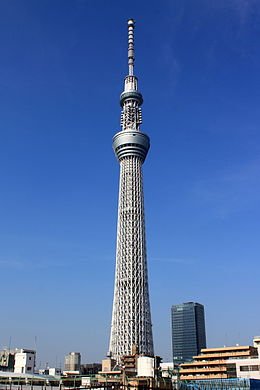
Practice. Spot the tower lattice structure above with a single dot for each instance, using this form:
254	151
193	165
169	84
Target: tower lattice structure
131	317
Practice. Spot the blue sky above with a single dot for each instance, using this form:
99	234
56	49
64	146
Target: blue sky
61	73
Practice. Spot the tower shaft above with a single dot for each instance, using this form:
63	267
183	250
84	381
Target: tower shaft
131	317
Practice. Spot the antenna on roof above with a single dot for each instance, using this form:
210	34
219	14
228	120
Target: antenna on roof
9	345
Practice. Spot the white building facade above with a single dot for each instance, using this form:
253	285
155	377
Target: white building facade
24	361
247	368
250	367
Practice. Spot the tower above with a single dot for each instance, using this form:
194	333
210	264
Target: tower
188	331
131	317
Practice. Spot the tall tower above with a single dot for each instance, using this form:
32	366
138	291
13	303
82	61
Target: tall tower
131	317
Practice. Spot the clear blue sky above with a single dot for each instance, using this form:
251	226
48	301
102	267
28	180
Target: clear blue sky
61	73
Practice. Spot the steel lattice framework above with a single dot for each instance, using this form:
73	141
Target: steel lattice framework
131	317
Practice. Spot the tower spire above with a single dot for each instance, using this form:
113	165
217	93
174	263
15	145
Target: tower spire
131	53
131	99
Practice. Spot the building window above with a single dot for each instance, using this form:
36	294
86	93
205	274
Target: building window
250	368
244	368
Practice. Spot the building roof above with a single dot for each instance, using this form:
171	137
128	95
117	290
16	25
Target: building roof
9	374
224	349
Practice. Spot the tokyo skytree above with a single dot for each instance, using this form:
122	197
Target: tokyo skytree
131	317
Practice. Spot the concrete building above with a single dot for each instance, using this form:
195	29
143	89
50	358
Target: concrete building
26	381
72	363
7	358
131	317
256	343
52	371
188	331
135	372
90	368
216	363
24	361
247	368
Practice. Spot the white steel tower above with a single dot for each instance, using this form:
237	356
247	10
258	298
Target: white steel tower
131	317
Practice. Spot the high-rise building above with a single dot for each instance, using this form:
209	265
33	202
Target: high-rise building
131	318
188	331
72	362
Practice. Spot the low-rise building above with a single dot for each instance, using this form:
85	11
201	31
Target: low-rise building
7	360
90	368
24	361
53	371
256	342
216	363
167	369
18	360
247	368
135	372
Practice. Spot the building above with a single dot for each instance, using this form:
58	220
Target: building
167	369
7	358
24	361
131	317
256	344
52	371
216	363
188	331
249	367
18	360
72	363
90	368
135	372
224	384
27	381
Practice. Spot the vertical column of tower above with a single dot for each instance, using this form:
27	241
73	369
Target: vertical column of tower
131	318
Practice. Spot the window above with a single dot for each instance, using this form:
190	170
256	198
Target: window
249	368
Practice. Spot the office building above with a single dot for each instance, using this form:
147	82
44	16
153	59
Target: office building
131	317
188	331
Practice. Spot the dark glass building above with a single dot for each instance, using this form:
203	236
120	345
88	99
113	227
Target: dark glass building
188	331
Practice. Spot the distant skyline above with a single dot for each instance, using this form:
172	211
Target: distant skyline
61	75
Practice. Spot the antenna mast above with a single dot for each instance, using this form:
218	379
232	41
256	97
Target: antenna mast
131	53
